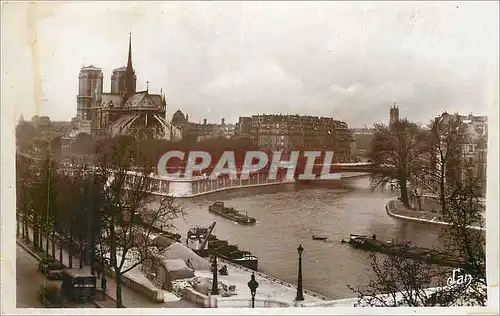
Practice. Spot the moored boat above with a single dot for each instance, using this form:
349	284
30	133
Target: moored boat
231	213
201	241
404	250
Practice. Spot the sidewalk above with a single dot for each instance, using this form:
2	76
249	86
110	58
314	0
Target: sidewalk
396	209
130	298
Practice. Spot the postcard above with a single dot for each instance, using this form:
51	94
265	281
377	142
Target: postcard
250	157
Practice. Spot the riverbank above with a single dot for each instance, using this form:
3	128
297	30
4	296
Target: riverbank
395	208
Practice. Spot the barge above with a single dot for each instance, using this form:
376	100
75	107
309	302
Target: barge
201	241
230	213
403	250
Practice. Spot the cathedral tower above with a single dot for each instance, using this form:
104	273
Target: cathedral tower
118	80
89	91
393	114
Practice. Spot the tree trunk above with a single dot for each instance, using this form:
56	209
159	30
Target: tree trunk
442	198
25	228
40	236
118	278
17	225
60	250
404	192
80	247
47	240
35	235
419	204
53	242
70	247
23	233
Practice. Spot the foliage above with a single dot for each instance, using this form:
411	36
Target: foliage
25	135
84	144
26	179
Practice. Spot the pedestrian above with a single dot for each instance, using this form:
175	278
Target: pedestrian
103	287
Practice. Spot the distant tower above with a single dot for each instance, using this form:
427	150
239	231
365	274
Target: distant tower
393	114
118	80
89	91
130	77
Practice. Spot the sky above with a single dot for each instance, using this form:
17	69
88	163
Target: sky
347	60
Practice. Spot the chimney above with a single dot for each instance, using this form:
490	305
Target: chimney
204	121
223	121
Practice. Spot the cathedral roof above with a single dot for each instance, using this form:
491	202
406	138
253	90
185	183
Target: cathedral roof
91	67
178	116
144	100
107	99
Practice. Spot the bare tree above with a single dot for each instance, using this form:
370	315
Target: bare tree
127	213
395	149
465	237
446	138
397	281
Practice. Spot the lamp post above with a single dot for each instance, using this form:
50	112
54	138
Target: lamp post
300	295
215	285
253	285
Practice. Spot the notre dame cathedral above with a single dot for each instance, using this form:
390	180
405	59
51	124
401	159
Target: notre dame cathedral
123	111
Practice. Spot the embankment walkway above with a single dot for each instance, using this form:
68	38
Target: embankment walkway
396	209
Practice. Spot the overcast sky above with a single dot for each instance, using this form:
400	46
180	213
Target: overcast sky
347	60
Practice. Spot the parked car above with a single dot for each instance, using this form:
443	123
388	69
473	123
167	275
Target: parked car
51	268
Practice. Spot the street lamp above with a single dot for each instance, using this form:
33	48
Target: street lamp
300	295
215	285
253	285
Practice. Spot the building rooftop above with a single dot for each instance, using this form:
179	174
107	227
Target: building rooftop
121	69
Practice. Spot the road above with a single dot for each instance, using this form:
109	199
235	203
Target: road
28	279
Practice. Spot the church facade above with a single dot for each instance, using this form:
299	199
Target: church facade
123	111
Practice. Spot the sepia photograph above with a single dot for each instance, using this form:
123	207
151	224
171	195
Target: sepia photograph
334	157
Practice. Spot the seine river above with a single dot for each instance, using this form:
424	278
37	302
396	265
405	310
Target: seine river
288	215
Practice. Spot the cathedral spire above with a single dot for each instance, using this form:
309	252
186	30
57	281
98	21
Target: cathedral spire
129	62
130	79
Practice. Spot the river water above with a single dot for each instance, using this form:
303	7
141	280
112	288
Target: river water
288	215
